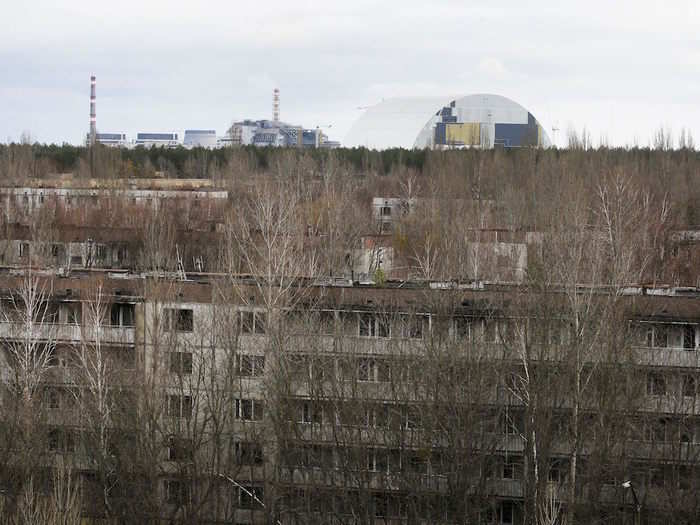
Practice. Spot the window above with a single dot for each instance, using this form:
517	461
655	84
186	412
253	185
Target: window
556	469
372	326
412	417
656	477
506	512
250	497
371	369
55	250
253	322
249	409
367	326
377	416
53	398
490	333
412	326
248	453
177	492
180	449
23	249
377	460
689	337
385	211
512	467
251	365
656	384
512	423
179	406
685	477
688	385
122	315
52	354
381	504
179	319
181	363
463	328
656	430
48	312
311	413
415	462
72	312
61	440
100	251
657	336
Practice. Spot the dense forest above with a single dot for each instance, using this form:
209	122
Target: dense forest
493	174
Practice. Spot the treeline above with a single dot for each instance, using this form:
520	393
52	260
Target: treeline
524	175
41	160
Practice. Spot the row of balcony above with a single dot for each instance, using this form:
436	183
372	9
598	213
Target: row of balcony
67	332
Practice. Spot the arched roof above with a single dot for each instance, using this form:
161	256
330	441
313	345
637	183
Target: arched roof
479	120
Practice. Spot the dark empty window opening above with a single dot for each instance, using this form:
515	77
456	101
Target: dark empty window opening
181	363
181	320
689	337
122	314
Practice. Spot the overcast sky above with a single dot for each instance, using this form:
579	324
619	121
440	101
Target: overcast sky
620	68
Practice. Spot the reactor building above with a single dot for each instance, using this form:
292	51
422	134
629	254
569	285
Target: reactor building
475	121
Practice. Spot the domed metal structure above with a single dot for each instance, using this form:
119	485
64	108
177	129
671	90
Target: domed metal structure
473	121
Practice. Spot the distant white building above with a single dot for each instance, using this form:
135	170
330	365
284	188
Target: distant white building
112	139
117	140
200	138
149	140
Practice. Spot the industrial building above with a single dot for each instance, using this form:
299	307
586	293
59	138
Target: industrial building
276	134
476	121
261	133
150	140
112	139
200	138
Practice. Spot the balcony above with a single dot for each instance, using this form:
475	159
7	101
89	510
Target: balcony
67	333
675	357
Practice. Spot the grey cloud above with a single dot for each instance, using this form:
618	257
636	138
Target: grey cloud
164	65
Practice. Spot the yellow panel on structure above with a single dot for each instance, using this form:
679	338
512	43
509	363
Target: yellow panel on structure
464	133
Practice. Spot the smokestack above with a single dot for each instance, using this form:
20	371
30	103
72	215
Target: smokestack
276	105
93	116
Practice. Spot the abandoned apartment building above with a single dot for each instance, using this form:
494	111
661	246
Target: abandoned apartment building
348	400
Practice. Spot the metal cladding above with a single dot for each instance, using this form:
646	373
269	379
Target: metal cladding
200	138
476	121
276	105
93	115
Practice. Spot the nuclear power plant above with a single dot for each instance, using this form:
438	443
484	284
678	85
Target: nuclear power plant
262	132
480	121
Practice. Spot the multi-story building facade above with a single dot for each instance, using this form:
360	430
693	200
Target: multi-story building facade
400	403
215	395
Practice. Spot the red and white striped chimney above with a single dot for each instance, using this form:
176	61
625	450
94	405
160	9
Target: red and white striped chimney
93	115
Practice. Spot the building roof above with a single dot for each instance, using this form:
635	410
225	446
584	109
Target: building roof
416	122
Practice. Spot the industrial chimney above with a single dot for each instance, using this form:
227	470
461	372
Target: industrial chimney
276	105
93	117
